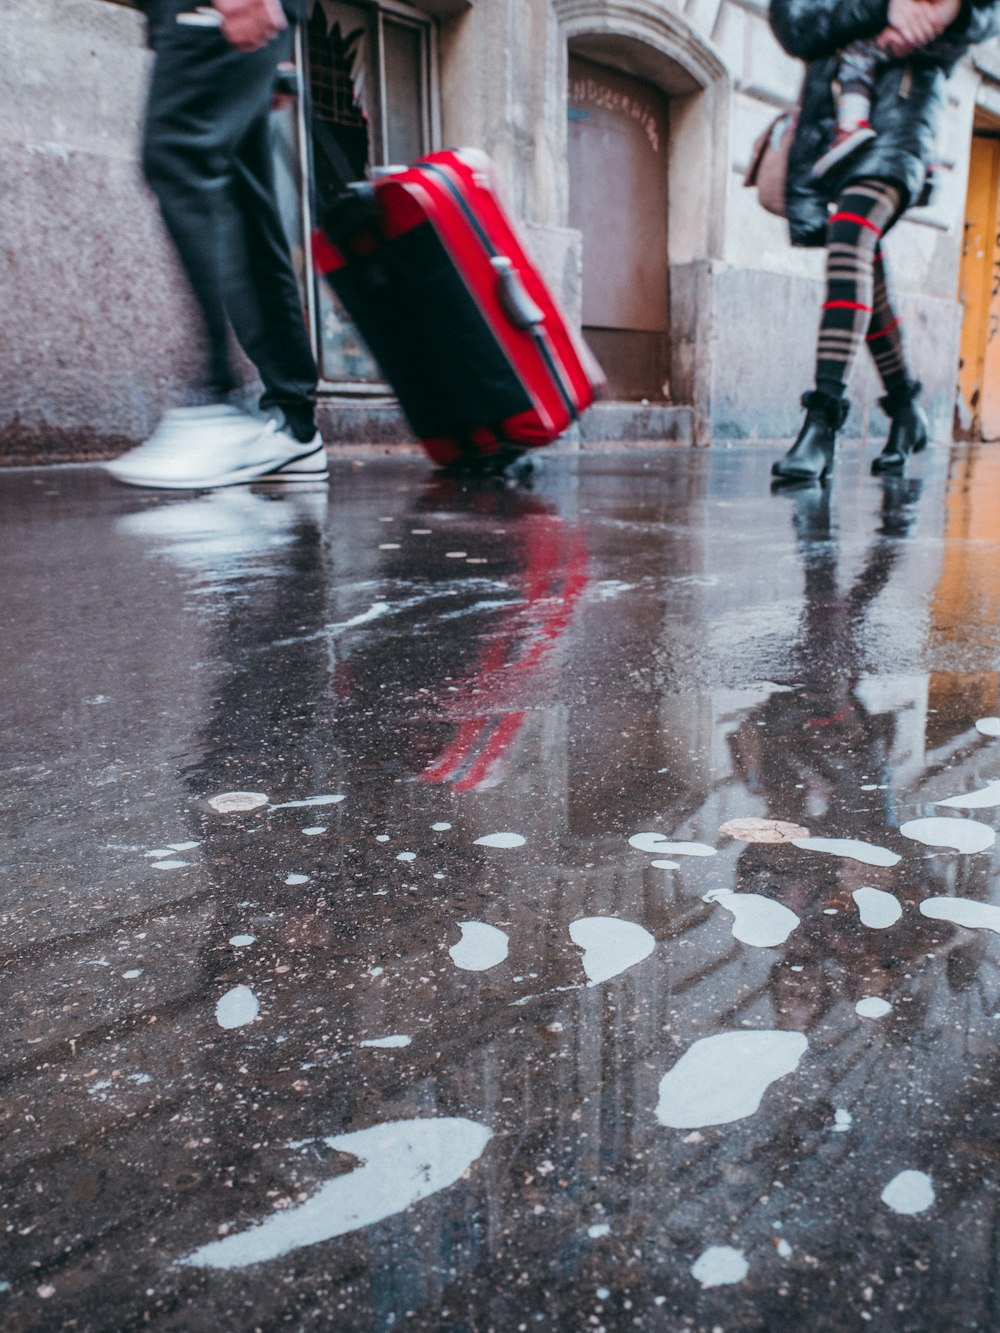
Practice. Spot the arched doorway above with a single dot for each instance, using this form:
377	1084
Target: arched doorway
618	137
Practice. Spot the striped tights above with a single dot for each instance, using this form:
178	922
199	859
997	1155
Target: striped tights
857	304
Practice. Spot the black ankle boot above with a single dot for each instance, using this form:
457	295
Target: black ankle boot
908	433
811	456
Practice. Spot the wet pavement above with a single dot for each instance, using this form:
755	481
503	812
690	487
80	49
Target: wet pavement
484	1015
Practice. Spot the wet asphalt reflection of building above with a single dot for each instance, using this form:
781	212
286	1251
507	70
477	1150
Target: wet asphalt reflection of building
642	644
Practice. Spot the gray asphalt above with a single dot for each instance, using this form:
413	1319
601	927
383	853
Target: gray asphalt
429	1035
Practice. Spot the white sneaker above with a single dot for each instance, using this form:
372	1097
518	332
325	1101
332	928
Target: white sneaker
196	448
310	466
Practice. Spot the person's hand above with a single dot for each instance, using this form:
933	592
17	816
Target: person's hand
915	23
250	24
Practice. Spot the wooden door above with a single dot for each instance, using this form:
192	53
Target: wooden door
979	292
618	129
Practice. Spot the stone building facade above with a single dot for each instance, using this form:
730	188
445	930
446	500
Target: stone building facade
620	130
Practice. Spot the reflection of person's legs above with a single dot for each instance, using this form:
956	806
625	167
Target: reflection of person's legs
863	212
909	431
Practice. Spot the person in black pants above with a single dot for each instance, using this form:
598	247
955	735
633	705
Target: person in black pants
207	158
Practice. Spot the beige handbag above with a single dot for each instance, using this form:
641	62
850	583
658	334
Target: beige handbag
768	169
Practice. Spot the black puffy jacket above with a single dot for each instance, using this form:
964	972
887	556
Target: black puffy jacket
905	107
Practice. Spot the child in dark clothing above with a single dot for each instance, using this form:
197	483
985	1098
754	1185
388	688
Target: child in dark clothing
857	70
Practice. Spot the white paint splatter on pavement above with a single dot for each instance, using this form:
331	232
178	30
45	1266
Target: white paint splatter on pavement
757	920
314	830
963	912
984	798
842	1121
296	879
500	840
481	947
610	945
720	1266
660	844
241	941
988	726
402	1162
909	1193
878	909
237	1007
873	1006
237	802
724	1077
392	1043
441	827
598	1230
308	802
962	835
852	848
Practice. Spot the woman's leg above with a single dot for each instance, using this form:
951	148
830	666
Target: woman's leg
909	431
863	212
885	338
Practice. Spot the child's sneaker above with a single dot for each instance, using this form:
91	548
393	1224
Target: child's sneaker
845	145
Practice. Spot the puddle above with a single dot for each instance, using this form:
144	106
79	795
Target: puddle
872	1007
723	1078
963	912
393	1043
237	1007
296	879
666	865
877	909
989	726
909	1193
401	1162
852	848
962	835
720	1266
500	840
610	945
481	947
241	941
758	921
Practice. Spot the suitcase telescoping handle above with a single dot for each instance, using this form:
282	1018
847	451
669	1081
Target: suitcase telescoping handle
517	305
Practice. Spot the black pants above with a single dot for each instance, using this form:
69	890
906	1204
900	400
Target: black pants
207	157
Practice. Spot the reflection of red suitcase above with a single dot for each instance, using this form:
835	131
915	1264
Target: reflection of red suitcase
456	314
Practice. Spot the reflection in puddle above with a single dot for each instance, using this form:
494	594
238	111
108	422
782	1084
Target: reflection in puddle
723	1078
401	1162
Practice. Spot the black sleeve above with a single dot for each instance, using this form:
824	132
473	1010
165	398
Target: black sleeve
814	29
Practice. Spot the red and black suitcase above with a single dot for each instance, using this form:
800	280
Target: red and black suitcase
432	272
